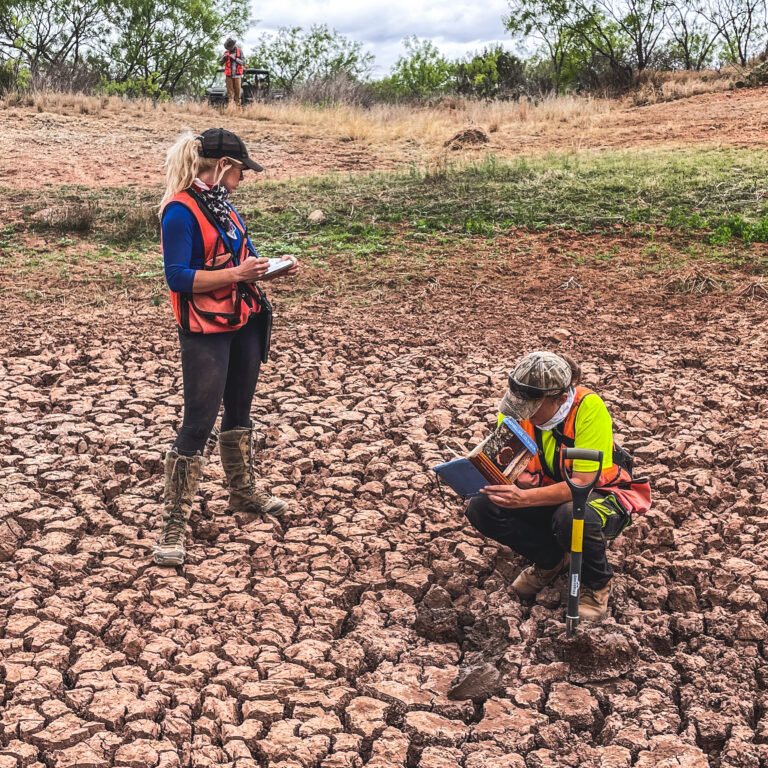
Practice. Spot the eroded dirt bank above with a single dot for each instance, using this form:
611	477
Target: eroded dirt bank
332	638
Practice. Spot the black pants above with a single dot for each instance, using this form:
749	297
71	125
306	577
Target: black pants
543	535
218	366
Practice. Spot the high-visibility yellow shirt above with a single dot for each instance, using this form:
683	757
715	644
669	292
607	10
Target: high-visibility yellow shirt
593	430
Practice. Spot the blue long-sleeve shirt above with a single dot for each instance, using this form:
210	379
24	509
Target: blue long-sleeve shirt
183	248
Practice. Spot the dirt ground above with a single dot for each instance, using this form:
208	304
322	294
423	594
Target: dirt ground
128	147
331	637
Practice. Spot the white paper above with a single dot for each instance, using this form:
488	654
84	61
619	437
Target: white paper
278	265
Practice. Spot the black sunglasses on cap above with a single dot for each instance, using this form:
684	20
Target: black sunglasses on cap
528	391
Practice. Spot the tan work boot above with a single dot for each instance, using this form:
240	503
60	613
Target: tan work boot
533	579
593	603
236	449
182	476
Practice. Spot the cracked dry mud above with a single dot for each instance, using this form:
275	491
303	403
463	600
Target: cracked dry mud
333	637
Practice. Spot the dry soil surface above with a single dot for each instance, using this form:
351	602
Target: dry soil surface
332	637
128	147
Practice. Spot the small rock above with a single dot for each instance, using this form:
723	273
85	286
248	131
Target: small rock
478	683
560	334
316	217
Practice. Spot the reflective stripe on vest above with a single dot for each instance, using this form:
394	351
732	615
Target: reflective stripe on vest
567	437
223	309
237	54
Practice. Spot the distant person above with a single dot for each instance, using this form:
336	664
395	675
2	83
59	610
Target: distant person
224	323
534	517
234	63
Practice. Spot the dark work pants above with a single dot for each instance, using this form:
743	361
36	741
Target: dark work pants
218	366
543	535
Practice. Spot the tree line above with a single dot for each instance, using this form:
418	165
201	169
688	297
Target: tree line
168	48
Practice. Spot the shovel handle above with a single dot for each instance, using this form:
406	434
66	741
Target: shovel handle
583	454
580	495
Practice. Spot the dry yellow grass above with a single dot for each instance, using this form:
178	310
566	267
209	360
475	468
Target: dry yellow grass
653	87
423	127
130	137
397	122
392	122
382	121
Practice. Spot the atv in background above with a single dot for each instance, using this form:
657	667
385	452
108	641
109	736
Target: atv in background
255	87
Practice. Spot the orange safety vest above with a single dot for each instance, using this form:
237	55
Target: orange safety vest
223	309
236	54
633	495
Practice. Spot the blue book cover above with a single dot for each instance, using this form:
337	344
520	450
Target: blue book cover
501	456
461	476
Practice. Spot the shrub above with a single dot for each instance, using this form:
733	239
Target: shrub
13	77
135	88
339	88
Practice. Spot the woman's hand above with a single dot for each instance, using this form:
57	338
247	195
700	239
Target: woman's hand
508	496
294	269
251	269
288	272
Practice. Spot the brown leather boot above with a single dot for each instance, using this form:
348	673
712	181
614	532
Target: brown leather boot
182	476
236	449
593	603
533	579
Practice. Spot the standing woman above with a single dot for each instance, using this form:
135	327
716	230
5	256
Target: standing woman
224	324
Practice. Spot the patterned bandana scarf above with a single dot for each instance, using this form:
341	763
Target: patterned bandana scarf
215	199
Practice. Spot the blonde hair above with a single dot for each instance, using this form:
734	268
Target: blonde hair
184	163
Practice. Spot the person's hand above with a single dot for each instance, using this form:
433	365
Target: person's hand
528	479
288	272
294	269
508	496
251	269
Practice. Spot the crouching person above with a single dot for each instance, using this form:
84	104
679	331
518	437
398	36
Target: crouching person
534	517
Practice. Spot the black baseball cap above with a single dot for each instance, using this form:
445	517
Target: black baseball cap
216	142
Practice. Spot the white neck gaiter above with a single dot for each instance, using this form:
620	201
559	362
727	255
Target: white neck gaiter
561	413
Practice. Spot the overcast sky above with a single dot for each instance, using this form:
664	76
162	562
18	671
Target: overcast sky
456	27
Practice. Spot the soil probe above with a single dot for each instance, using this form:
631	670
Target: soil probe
580	495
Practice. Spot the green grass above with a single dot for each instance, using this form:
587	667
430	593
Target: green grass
703	203
690	191
717	191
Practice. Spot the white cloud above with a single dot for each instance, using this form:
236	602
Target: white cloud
456	27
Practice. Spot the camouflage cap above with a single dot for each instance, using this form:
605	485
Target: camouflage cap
537	376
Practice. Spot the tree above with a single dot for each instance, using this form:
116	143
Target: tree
294	56
641	23
553	24
171	45
423	71
46	34
489	74
693	39
740	23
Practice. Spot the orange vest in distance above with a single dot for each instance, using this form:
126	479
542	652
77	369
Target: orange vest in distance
236	54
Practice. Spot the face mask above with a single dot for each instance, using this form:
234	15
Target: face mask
562	412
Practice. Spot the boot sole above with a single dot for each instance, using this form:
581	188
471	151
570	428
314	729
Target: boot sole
272	509
173	557
276	509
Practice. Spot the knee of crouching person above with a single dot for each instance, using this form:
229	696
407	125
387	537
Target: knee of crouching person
562	523
477	512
